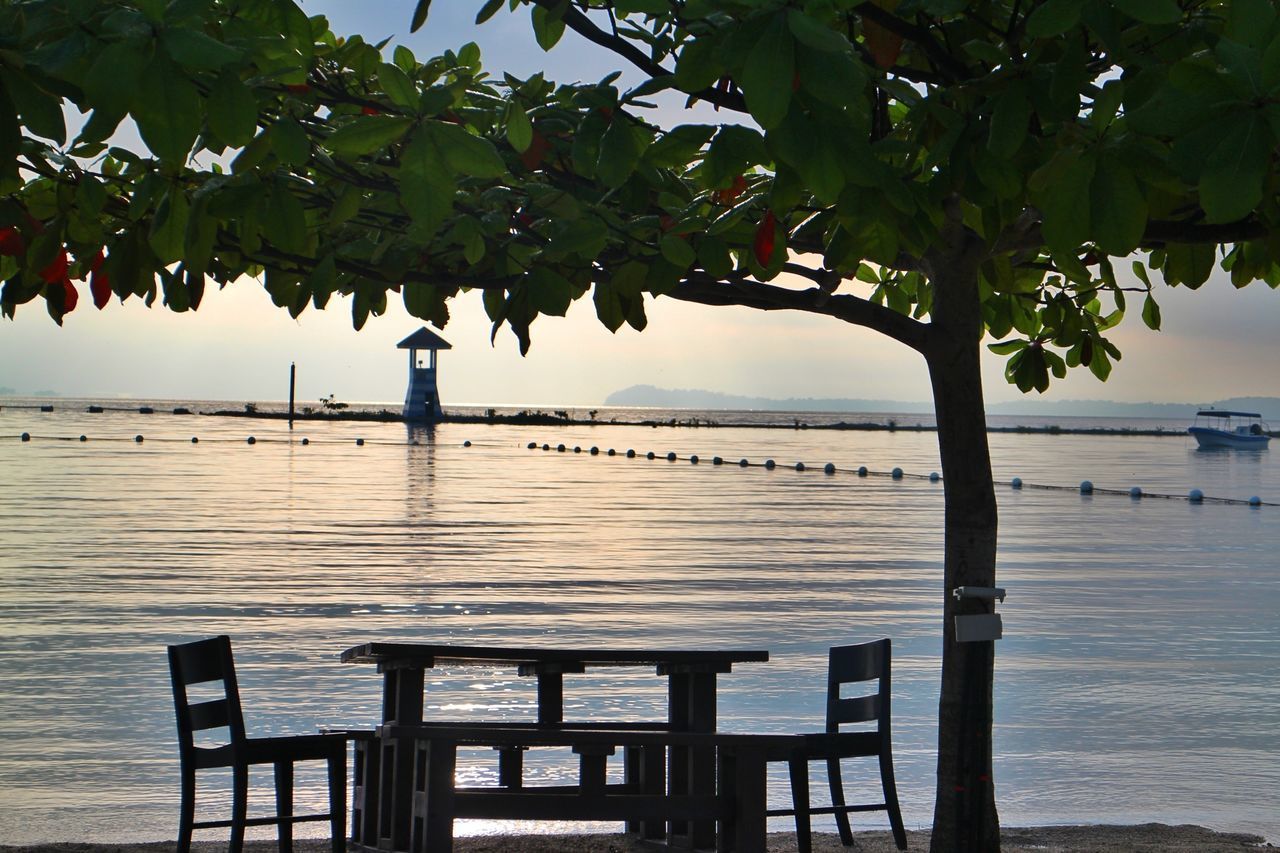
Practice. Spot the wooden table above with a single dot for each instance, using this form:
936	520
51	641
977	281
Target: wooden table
381	813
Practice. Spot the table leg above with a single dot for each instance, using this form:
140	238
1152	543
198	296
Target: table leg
691	707
750	824
401	704
550	697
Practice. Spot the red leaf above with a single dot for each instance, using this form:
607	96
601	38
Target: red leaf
727	196
100	287
764	239
57	269
885	46
298	88
72	297
11	242
537	150
370	111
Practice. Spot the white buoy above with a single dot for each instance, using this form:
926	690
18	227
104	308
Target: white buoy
799	466
896	473
862	470
1086	488
933	477
829	468
1195	496
1255	501
1016	482
769	464
1135	492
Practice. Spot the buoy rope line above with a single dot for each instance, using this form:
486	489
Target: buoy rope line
1087	488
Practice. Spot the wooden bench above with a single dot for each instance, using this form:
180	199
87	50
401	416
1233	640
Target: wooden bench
738	806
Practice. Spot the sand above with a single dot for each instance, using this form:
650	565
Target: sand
1143	838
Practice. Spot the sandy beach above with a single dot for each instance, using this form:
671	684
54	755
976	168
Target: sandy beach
1142	838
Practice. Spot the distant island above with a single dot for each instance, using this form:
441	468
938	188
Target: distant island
649	396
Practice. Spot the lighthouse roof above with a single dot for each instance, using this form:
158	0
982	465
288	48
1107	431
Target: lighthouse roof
424	338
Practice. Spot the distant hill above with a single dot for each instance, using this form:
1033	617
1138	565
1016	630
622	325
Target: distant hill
649	396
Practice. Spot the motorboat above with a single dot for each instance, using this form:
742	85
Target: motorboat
1241	430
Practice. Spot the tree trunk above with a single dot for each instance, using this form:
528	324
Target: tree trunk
964	817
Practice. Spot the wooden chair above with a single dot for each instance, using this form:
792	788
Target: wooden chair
209	661
847	665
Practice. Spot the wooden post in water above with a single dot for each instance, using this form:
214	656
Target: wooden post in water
293	376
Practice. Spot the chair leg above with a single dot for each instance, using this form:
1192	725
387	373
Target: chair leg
836	782
891	798
284	803
239	806
338	799
187	810
799	767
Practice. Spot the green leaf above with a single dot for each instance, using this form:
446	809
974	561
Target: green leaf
112	81
768	74
41	112
675	148
697	67
1118	208
1008	347
519	128
167	110
608	306
286	225
426	185
1053	18
549	292
367	134
1010	118
168	234
398	86
233	110
1151	313
814	34
547	27
1150	11
464	152
677	250
289	142
1065	202
419	15
195	50
488	10
1231	184
1189	263
621	148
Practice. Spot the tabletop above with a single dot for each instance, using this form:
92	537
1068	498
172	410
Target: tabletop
431	654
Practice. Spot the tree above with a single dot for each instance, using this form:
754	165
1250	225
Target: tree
935	170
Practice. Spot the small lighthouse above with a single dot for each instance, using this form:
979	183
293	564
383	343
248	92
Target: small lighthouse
422	400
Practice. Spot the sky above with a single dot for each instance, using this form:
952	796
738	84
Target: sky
1216	342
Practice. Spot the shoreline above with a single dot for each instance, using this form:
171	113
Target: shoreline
553	419
1101	838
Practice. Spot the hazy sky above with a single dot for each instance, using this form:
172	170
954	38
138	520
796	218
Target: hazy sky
1216	342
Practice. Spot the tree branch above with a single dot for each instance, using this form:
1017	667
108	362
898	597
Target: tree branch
585	27
916	35
703	289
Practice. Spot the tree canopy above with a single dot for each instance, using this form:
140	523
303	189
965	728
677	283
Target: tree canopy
1061	134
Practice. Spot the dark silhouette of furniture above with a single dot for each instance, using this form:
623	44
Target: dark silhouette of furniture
847	665
384	784
210	661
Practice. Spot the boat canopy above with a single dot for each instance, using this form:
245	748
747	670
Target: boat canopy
1218	413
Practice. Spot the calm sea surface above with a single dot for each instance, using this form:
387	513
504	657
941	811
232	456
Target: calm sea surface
1137	680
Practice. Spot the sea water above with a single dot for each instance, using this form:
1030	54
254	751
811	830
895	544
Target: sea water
1136	680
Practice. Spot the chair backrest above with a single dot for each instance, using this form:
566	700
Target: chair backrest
853	664
197	663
